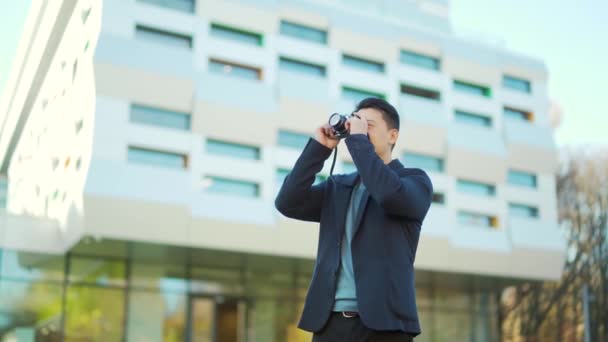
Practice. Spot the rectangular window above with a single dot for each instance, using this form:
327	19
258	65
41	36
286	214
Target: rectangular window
471	88
180	5
419	60
517	84
476	188
357	95
301	67
438	198
474	219
292	139
164	37
362	64
517	115
233	69
282	173
420	92
239	35
159	117
522	210
222	148
3	192
303	32
427	163
521	178
233	187
157	158
472	119
98	271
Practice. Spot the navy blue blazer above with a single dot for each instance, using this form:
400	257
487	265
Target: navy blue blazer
387	229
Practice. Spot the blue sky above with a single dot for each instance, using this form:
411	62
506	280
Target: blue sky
570	36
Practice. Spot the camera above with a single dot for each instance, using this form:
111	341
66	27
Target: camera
337	122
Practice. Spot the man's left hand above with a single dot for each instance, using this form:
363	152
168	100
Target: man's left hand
357	124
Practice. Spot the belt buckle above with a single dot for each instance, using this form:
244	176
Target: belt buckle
349	314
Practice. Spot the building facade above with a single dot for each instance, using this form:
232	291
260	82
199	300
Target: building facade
142	143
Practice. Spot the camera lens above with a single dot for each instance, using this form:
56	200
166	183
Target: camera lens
338	125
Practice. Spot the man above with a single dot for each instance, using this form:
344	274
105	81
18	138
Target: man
362	288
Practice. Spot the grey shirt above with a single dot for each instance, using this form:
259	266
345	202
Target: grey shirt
346	294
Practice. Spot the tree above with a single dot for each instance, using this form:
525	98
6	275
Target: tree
553	311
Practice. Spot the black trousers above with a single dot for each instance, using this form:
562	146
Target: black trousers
343	329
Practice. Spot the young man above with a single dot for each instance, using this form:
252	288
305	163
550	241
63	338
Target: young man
362	288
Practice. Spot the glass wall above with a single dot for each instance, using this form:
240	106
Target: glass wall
120	291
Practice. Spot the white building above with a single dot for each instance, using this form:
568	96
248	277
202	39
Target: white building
143	143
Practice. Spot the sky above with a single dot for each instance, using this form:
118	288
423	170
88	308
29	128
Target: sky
570	36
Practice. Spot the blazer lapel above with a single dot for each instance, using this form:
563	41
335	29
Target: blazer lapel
362	205
346	184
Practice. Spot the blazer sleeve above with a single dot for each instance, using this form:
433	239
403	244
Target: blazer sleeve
409	195
298	198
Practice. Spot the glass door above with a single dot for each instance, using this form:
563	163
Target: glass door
217	319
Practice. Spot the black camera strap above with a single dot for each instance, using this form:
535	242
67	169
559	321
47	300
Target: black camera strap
333	163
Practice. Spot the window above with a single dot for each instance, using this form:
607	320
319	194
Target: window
159	117
292	139
521	178
157	158
3	191
420	92
424	162
517	84
473	89
233	150
362	64
282	173
476	188
93	270
522	210
472	119
474	219
236	70
164	37
243	36
438	198
233	187
419	60
180	5
46	267
517	115
301	67
357	95
303	32
95	304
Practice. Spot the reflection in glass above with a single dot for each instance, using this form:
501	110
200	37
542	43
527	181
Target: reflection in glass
202	319
94	314
155	316
30	311
32	266
97	271
168	277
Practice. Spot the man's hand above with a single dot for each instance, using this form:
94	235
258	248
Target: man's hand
357	124
325	136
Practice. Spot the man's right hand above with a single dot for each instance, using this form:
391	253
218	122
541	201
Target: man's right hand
325	136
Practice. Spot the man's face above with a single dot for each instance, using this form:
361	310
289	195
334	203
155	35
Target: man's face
379	134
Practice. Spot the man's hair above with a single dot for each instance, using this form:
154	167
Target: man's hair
389	113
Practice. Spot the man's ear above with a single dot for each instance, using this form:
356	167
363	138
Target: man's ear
393	135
